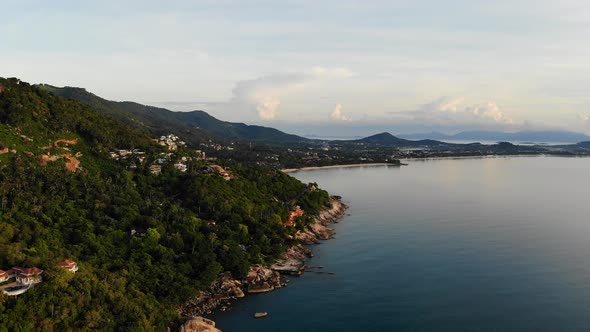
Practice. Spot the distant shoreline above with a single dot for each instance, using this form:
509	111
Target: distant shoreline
493	156
404	160
291	170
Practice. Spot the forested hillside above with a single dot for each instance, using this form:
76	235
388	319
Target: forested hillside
196	126
143	242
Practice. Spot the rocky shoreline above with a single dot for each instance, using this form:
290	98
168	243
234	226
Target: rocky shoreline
261	279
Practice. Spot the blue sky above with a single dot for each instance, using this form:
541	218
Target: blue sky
318	67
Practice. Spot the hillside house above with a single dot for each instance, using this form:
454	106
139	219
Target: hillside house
171	141
69	265
3	276
156	169
181	167
202	155
221	171
25	275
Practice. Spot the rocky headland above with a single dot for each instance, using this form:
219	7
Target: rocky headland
260	278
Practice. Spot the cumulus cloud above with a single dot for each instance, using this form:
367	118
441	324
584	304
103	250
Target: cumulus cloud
445	104
264	94
489	110
338	115
453	112
267	108
585	118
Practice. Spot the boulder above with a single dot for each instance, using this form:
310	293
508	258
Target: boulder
261	279
321	231
219	293
307	237
199	324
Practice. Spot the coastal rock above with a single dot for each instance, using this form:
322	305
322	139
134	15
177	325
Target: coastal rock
232	288
292	260
288	266
321	231
337	210
317	230
307	237
199	324
221	290
263	288
298	252
261	279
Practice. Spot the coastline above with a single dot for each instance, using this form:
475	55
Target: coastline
291	170
404	160
488	156
261	279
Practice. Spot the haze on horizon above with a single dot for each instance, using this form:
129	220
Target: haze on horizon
318	68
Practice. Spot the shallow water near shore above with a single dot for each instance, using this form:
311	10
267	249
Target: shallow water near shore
490	244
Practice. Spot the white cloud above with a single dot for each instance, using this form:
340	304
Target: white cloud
445	104
338	115
452	112
264	94
267	108
453	109
489	110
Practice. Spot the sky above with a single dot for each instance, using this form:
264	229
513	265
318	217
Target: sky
327	68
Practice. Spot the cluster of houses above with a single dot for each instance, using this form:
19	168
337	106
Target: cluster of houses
25	277
156	166
126	154
171	141
217	146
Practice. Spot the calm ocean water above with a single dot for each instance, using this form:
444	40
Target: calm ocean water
492	244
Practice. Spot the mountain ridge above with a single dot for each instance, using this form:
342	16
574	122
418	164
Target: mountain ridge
197	125
388	139
538	136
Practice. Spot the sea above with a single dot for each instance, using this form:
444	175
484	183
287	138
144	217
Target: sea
480	244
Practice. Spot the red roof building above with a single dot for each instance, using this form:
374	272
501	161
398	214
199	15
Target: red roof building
4	276
69	265
26	275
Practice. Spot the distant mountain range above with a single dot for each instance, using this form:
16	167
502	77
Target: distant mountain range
515	137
